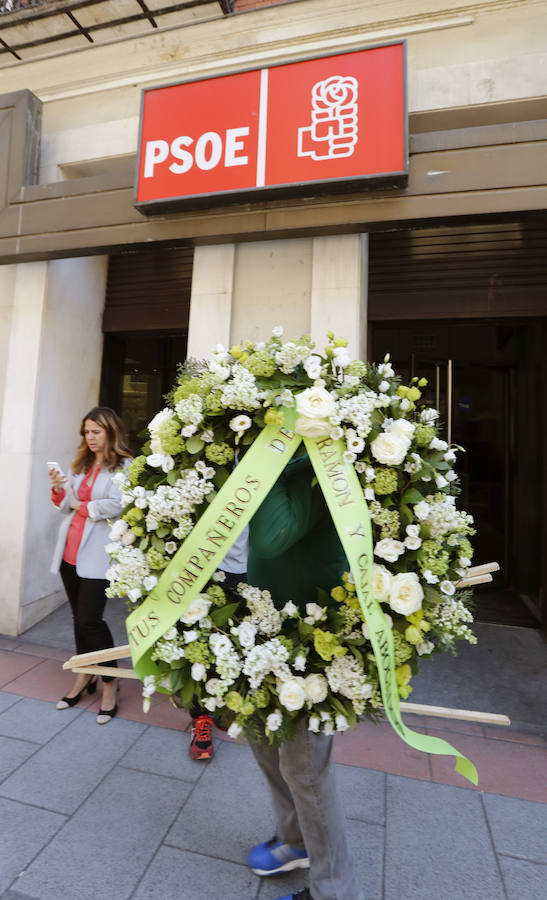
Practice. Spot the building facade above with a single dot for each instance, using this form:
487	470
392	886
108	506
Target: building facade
448	272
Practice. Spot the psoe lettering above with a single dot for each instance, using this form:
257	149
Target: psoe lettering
209	150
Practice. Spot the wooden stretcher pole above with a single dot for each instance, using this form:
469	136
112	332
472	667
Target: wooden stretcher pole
445	712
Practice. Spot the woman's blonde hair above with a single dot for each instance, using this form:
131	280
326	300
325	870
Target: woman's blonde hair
116	447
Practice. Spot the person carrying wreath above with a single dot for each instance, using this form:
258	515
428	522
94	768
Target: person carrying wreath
294	550
89	499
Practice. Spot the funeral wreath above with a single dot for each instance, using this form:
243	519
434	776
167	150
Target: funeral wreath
257	668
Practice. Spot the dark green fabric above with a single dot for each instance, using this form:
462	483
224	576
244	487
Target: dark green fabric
294	547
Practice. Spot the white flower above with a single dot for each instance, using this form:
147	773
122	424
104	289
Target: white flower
312	365
381	583
428	416
447	587
336	433
190	636
404	403
425	647
290	609
341	357
161	461
134	594
402	427
300	663
341	723
430	577
234	730
316	687
246	633
450	456
451	475
219	575
198	608
383	387
292	694
170	547
141	502
437	444
311	428
171	634
315	403
239	424
314	613
314	724
277	332
274	721
385	369
188	430
413	540
406	593
348	456
390	448
163	416
118	529
369	494
214	686
128	538
441	481
207	436
198	671
389	549
353	442
149	582
422	510
328	728
464	562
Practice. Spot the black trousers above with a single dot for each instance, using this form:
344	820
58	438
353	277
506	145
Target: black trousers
87	600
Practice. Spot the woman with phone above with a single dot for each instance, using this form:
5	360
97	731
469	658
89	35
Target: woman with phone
89	498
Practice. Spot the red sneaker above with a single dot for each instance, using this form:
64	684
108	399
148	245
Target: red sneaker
201	745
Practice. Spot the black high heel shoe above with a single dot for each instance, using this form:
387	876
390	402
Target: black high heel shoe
104	716
90	687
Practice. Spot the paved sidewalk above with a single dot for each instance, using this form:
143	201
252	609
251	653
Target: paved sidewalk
119	812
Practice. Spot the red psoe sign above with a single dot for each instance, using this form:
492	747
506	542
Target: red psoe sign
330	122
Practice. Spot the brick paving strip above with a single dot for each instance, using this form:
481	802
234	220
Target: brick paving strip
417	829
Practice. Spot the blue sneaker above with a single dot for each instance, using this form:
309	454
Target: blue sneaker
274	856
304	894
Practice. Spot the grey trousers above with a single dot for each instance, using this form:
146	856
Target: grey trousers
308	812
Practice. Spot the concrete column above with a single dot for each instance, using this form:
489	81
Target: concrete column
339	290
51	380
211	299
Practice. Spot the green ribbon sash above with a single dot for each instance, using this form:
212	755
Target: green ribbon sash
223	521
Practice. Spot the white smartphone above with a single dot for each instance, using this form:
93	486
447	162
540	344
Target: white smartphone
57	467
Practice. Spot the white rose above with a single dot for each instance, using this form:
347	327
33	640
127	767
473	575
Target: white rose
315	403
402	427
234	730
390	448
389	549
316	687
314	724
383	387
246	633
198	608
219	643
239	424
292	694
274	721
198	671
381	583
311	428
406	593
422	510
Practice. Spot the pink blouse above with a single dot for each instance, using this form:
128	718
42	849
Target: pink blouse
76	530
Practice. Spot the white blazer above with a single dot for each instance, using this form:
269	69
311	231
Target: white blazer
92	560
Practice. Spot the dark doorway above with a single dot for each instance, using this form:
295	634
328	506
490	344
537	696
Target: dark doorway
138	371
486	380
